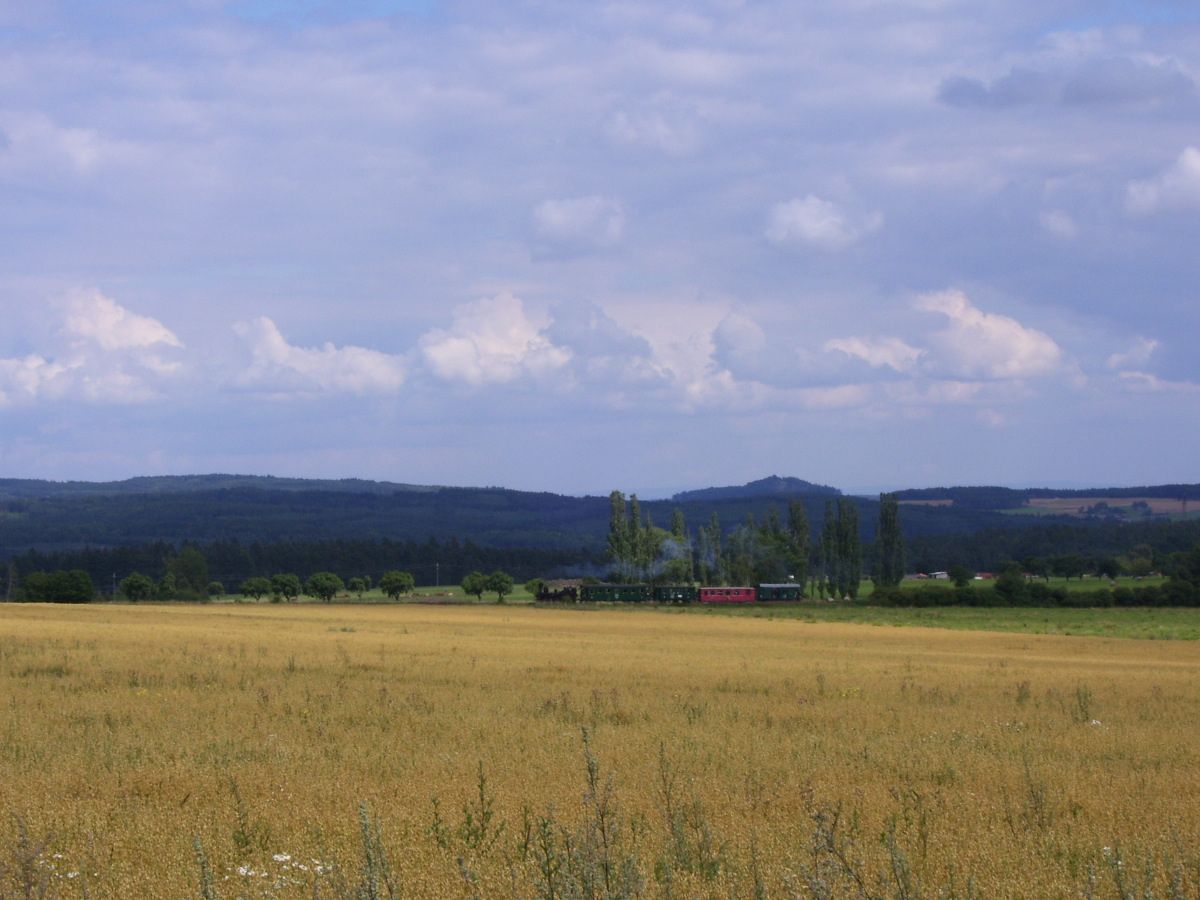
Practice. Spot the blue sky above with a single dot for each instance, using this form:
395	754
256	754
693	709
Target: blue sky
577	247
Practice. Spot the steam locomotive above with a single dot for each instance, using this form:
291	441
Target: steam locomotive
671	593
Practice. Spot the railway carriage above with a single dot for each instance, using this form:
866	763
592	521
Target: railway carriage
616	593
675	593
789	592
727	594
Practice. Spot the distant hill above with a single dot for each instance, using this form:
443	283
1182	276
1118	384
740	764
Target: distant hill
55	516
771	486
14	488
1150	500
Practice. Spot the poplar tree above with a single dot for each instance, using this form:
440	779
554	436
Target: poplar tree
849	549
637	540
683	542
619	549
829	550
798	537
889	543
714	546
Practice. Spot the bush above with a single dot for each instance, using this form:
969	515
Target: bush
60	586
137	586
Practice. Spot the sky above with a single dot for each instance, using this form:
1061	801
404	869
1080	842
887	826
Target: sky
579	247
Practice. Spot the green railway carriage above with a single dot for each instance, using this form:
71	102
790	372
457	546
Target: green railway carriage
676	593
790	592
616	593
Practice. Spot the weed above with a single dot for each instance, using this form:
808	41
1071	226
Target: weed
22	869
1024	692
1082	710
208	890
376	879
247	834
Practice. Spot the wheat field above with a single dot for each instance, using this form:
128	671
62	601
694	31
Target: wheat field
420	751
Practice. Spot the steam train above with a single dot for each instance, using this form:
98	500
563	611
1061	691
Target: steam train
671	593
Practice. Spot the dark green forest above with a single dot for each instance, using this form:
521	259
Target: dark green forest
246	526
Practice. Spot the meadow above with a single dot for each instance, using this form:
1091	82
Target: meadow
458	751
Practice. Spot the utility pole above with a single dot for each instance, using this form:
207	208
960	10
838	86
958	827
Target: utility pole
437	574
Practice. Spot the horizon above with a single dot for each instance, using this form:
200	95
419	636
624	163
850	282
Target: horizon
646	494
561	247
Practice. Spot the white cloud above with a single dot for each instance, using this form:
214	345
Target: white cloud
668	130
106	354
1175	188
281	368
579	223
29	378
876	352
1137	355
820	223
1059	224
492	340
979	344
1146	383
93	317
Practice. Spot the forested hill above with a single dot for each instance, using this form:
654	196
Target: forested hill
771	486
17	488
1004	498
48	516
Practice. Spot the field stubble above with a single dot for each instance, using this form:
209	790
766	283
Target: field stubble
458	751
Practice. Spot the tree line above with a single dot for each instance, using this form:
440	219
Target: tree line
194	567
755	552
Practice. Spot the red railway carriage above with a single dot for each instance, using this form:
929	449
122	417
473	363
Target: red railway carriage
728	595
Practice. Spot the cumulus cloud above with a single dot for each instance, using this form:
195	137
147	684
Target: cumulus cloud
107	355
977	344
1096	81
492	340
1175	188
819	223
891	352
281	368
30	378
1137	355
578	224
93	317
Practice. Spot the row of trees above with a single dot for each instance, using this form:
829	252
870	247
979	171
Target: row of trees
195	566
1013	587
770	551
477	584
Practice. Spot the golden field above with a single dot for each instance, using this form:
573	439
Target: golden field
245	751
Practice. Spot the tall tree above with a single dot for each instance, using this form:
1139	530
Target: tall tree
889	543
637	541
683	546
798	536
829	550
619	544
849	549
715	550
190	569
